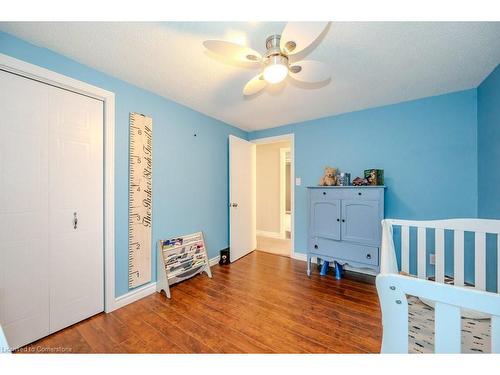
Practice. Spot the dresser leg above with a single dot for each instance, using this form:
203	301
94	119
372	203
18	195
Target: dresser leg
309	266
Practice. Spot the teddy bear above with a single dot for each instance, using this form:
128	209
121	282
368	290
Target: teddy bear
329	178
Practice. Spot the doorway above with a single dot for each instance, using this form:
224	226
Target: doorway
274	195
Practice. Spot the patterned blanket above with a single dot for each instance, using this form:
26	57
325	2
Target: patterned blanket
475	333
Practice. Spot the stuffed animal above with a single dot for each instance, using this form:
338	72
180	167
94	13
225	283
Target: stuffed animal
329	178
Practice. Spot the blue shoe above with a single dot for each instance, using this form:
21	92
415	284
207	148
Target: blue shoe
324	268
339	271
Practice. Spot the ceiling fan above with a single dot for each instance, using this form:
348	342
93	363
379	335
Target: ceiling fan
276	62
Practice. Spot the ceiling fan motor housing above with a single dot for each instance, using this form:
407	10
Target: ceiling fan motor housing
274	55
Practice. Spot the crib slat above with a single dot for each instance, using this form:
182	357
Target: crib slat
405	249
480	261
421	253
439	255
447	328
458	257
495	334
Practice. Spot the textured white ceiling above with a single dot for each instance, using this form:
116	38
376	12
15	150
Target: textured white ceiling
372	63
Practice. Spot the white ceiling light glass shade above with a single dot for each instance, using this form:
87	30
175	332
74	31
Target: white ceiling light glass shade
276	69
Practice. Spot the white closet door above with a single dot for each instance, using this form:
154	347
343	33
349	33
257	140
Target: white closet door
51	166
24	291
75	187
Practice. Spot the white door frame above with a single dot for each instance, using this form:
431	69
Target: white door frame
43	75
283	138
283	152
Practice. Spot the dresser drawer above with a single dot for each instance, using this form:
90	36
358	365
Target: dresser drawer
361	193
344	251
325	194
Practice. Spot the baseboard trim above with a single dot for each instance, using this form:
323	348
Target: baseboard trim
265	233
364	271
213	261
301	256
146	290
135	295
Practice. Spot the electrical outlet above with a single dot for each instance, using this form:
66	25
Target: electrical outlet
432	258
298	181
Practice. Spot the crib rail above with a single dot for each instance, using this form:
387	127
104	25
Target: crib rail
392	290
480	227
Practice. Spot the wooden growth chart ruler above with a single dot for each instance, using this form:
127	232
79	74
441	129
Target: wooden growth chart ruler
140	208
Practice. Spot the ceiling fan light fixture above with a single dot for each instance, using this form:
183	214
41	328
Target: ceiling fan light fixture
276	69
274	64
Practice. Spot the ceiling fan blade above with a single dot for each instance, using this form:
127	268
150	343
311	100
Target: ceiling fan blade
299	35
310	71
253	86
233	51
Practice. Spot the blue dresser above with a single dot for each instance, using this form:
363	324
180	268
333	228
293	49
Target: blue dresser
344	225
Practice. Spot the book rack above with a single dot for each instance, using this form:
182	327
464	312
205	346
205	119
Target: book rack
181	258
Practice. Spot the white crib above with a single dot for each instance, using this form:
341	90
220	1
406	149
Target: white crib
449	300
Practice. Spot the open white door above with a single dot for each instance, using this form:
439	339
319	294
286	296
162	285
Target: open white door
242	222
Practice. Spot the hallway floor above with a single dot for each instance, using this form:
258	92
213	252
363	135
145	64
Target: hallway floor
276	246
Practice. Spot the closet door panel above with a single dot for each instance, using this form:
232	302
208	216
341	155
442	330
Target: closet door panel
76	186
24	294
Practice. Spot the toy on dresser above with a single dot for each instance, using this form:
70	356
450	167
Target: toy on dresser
358	181
329	177
374	176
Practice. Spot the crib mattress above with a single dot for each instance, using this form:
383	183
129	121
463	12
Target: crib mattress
475	333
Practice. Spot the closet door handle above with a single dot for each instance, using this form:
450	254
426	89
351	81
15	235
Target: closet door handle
338	219
343	220
75	220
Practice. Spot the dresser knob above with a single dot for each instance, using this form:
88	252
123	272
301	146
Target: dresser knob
368	256
359	193
324	193
315	246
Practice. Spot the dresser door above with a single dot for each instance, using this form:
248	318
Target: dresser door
360	221
325	218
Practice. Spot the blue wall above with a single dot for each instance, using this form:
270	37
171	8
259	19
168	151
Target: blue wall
488	115
432	151
190	178
427	148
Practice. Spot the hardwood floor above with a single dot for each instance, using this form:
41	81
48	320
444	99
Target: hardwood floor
263	303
